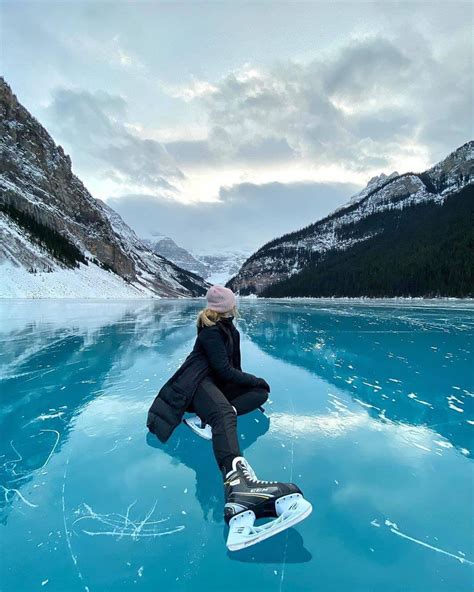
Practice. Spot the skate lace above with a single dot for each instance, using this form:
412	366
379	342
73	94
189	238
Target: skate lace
251	476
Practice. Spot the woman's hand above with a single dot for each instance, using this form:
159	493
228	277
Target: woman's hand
262	383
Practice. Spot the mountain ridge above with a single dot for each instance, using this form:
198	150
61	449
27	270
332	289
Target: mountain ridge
290	254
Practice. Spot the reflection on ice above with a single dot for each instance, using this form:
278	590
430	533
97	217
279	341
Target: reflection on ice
383	355
195	453
336	424
328	425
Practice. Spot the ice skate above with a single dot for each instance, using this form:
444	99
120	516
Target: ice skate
249	498
199	427
203	429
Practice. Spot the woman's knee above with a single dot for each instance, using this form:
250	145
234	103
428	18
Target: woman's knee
222	414
262	396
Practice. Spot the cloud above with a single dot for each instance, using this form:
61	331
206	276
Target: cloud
368	105
109	50
373	102
220	148
191	152
368	70
197	88
397	98
265	149
98	123
246	216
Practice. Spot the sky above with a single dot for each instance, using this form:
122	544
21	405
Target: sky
226	124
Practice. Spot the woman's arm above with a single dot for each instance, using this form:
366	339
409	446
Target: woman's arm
213	345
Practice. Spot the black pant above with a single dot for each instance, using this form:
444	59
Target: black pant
214	406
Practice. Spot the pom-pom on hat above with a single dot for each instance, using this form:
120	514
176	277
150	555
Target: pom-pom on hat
220	299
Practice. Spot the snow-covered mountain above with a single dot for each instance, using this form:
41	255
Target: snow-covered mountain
374	183
214	268
383	242
55	238
166	247
222	266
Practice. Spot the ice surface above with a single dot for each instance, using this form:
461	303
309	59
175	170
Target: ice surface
371	414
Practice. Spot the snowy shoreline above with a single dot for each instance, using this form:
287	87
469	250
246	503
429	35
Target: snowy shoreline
84	281
334	299
94	283
365	299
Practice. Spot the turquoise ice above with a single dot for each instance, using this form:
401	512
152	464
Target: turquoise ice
371	413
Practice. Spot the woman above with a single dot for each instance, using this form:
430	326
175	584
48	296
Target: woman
211	383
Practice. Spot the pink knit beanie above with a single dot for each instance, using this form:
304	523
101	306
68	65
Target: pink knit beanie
220	299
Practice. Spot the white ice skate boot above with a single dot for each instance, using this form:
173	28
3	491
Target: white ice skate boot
248	499
199	427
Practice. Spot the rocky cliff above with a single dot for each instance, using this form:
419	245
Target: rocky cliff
49	221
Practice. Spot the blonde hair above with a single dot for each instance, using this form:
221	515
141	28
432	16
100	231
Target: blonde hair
208	317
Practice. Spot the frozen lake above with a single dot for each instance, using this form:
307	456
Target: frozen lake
371	414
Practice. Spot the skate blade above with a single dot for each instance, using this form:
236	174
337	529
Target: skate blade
205	433
243	533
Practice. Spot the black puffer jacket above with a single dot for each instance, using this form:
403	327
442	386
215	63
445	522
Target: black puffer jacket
216	353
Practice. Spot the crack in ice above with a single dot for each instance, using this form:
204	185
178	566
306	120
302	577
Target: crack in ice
120	525
67	531
10	466
393	527
291	480
18	493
